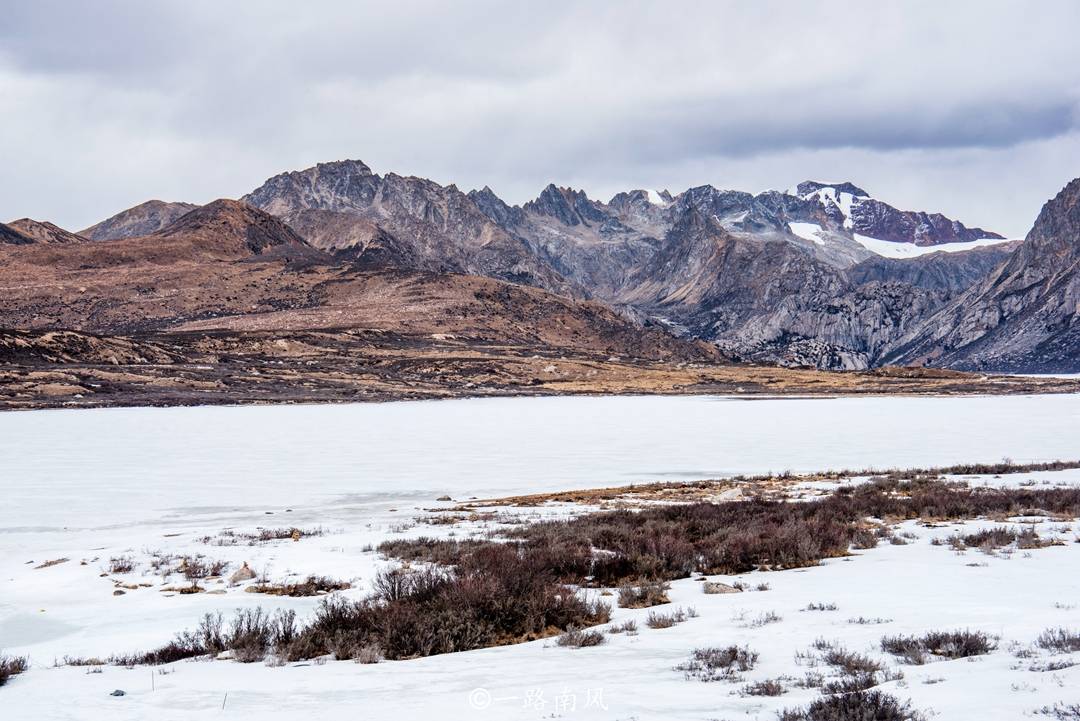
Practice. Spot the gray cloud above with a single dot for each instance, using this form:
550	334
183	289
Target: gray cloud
966	109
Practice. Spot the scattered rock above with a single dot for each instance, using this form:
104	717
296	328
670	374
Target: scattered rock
444	498
712	587
118	692
244	573
118	592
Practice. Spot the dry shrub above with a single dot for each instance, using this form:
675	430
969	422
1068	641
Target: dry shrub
665	620
491	598
576	638
644	595
769	687
1061	711
718	664
311	586
857	706
12	666
944	644
1061	640
662	543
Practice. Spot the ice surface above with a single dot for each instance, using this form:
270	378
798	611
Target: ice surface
90	468
89	485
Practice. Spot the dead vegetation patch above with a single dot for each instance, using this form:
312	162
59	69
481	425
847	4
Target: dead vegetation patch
311	586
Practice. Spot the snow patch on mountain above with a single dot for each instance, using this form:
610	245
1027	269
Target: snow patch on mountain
808	231
890	249
657	198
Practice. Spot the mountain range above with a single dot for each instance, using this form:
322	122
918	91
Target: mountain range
820	275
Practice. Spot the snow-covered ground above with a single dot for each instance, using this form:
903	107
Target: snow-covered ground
93	485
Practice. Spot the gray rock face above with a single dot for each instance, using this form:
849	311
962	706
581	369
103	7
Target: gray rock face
143	219
812	186
1025	315
948	272
415	222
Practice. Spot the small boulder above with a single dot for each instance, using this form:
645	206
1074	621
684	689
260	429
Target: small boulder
712	587
118	692
244	573
444	498
118	592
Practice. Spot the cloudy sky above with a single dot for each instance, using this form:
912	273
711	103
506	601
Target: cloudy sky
969	108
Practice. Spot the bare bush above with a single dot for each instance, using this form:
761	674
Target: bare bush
665	620
311	586
769	687
121	564
1061	640
857	706
1062	711
943	644
718	664
643	595
576	638
12	666
820	607
764	619
492	597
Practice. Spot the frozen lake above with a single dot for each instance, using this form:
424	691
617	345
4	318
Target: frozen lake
100	468
83	487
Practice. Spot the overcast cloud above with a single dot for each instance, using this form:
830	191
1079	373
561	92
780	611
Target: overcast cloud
968	108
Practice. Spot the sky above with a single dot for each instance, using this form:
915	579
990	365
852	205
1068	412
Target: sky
967	108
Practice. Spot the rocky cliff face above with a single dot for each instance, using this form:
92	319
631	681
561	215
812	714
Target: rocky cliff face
1025	315
950	273
143	219
419	223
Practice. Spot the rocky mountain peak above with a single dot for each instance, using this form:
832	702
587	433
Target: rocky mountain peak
569	206
808	187
142	219
1056	231
495	208
44	232
338	185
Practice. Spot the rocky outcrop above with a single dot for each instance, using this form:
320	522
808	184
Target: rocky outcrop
143	219
1025	315
10	236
